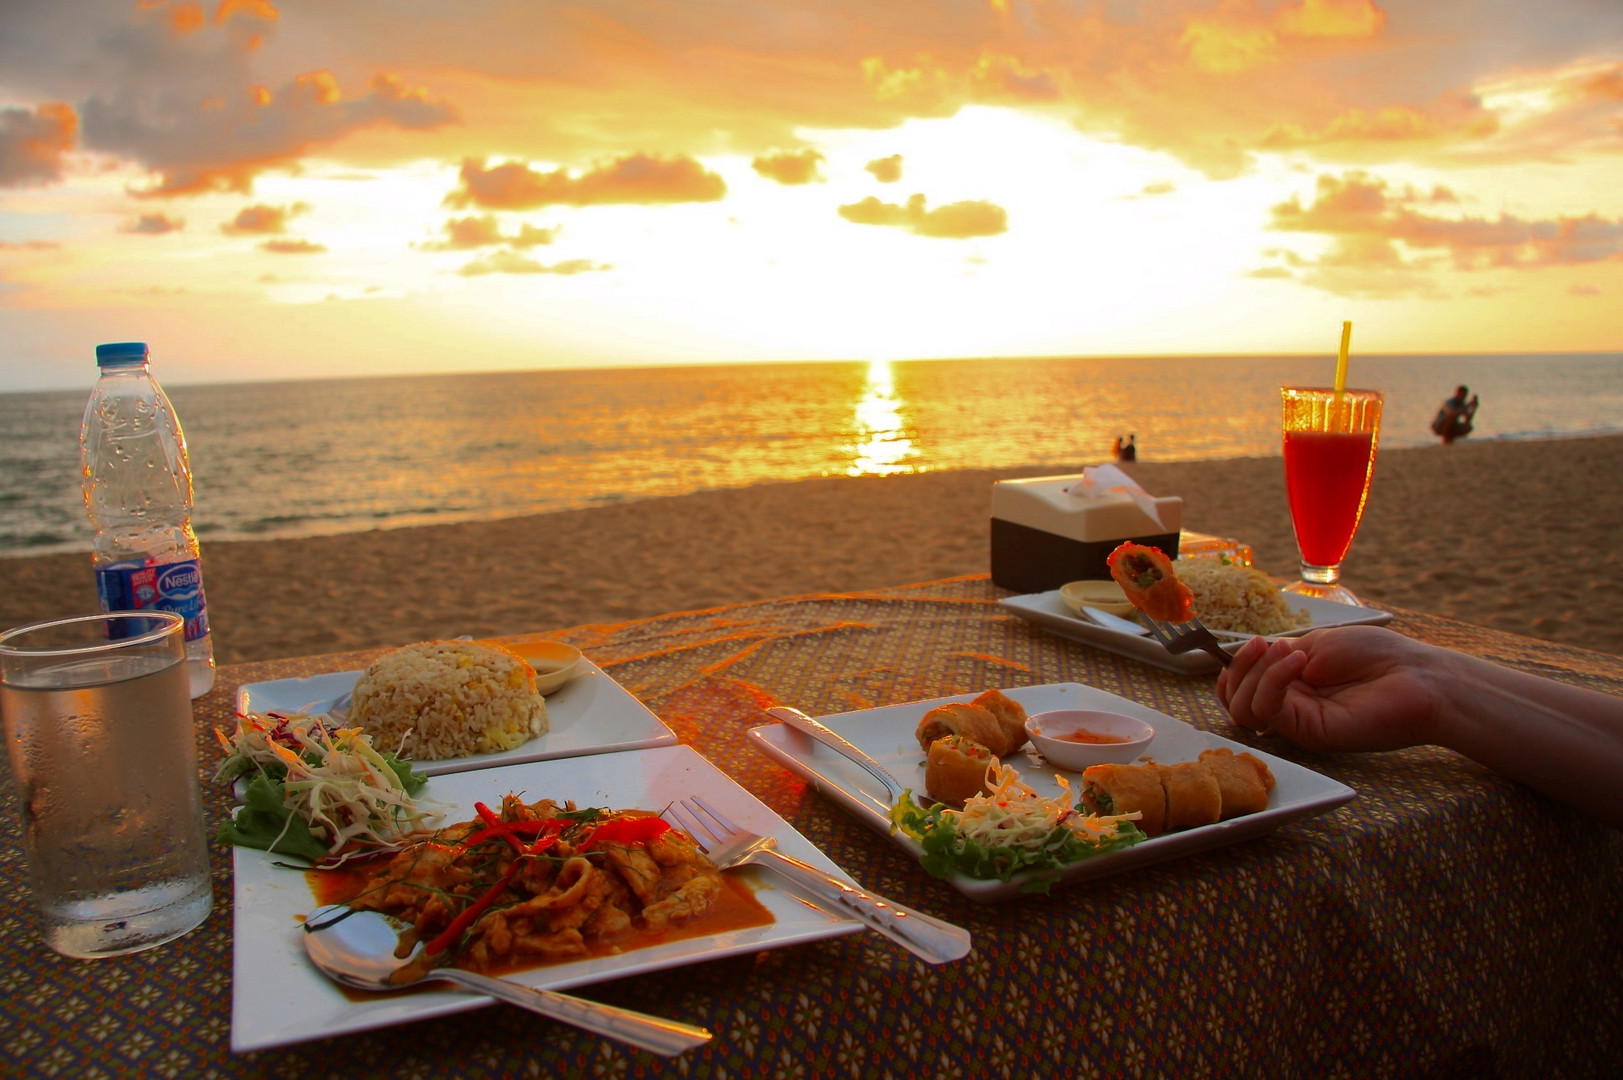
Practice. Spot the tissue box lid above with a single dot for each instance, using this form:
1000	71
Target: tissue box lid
1044	503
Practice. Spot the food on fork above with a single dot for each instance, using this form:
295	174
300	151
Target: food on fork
956	768
1145	574
1221	785
537	882
993	719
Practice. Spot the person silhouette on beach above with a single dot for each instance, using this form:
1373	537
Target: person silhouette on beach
1128	450
1453	420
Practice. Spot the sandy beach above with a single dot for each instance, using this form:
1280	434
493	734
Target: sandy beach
1518	536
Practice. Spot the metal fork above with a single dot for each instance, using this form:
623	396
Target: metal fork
727	845
1186	636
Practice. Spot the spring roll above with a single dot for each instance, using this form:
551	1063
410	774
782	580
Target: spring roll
1193	797
1123	789
1010	716
972	722
955	768
1145	574
1242	780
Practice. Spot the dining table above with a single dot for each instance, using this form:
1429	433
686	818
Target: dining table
1445	921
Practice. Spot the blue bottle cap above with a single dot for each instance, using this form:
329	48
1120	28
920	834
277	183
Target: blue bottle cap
121	354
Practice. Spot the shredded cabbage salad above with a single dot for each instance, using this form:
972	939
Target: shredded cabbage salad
1012	830
317	790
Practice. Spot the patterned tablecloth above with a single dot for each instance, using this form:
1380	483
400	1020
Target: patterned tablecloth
1445	922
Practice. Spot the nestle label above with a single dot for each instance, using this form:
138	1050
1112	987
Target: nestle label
174	586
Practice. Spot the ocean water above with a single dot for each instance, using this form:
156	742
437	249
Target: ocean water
287	459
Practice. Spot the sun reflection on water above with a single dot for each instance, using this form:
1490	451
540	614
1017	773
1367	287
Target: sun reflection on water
884	443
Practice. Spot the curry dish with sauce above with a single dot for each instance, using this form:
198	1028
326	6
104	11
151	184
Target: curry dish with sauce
536	883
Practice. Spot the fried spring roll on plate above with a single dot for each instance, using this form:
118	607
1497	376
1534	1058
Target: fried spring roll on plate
972	722
1193	797
955	768
1010	716
1123	789
1243	781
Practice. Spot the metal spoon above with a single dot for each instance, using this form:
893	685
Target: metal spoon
356	948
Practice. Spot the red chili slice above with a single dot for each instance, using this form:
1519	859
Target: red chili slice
629	830
449	936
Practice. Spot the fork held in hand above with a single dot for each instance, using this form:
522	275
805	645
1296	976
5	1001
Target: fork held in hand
1187	636
727	845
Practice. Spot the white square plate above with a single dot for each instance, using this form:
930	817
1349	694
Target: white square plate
279	997
589	714
887	735
1048	611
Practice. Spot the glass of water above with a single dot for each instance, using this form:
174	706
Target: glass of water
98	723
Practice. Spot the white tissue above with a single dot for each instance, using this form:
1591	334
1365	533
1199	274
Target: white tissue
1098	480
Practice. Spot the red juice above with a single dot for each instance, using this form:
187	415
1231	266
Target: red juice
1327	478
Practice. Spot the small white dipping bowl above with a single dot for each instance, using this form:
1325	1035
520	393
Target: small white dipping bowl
1053	733
1104	595
554	662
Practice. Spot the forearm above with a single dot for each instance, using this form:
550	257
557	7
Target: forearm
1559	739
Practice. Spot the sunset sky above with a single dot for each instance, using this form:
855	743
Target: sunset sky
289	189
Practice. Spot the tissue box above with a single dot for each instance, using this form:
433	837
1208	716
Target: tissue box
1042	536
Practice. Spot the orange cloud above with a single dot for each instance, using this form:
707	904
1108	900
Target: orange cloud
1236	39
1378	228
886	170
34	145
1607	86
1330	18
261	219
191	108
636	179
955	221
465	234
790	166
510	262
259	9
1004	79
154	225
293	247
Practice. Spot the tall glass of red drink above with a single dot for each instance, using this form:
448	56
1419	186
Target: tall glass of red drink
1330	440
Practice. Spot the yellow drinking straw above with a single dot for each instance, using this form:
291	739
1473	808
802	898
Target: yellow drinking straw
1341	360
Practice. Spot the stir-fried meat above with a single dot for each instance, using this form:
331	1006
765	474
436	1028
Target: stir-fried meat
539	881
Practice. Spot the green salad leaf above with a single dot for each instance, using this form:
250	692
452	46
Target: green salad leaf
1003	854
317	791
264	822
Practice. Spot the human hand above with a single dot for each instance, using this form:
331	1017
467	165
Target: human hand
1340	688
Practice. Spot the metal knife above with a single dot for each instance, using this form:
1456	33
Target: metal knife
838	743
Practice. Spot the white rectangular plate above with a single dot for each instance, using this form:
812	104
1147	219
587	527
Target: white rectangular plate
589	714
887	735
1048	611
279	997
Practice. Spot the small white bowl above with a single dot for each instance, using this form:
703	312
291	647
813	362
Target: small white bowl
554	662
1054	735
1105	595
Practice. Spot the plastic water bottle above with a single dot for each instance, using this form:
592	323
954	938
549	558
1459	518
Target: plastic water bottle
138	491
